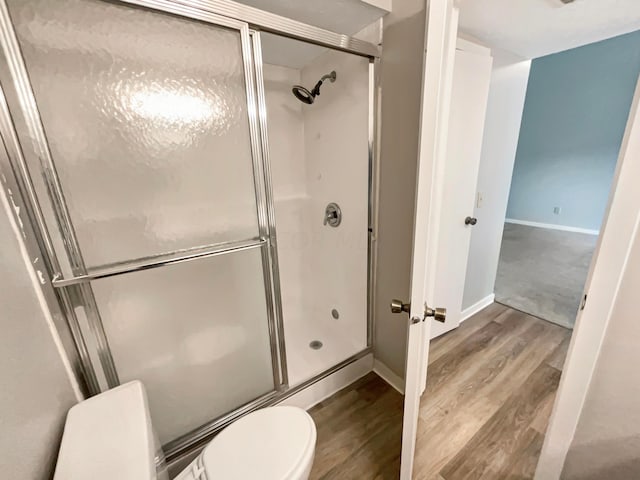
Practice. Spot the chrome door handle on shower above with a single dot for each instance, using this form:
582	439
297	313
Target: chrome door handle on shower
332	215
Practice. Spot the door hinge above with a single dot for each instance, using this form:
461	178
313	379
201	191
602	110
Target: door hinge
584	302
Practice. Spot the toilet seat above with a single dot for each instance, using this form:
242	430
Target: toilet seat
275	443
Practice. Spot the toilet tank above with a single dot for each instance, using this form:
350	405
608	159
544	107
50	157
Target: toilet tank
109	437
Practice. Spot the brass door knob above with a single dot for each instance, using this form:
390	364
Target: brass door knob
398	307
438	314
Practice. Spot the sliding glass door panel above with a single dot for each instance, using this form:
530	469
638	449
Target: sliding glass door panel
143	141
147	119
194	333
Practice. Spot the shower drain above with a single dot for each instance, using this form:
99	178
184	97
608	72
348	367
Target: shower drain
315	344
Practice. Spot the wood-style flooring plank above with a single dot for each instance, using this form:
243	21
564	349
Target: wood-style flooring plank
359	430
450	418
467	355
490	390
525	458
449	341
488	453
556	360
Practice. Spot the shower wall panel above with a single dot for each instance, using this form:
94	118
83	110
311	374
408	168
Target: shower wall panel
318	155
288	169
336	154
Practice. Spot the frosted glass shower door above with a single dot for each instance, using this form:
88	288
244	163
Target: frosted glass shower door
146	117
149	117
195	333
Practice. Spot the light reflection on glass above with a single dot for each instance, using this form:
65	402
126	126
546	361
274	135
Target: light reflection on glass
168	115
174	107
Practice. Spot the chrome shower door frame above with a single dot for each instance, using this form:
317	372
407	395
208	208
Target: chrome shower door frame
76	290
64	294
15	75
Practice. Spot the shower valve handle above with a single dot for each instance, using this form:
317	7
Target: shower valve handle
332	215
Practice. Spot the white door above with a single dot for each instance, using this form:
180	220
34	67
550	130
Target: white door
442	21
468	105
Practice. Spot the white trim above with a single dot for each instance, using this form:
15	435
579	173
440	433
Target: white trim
322	389
607	269
388	375
476	307
552	226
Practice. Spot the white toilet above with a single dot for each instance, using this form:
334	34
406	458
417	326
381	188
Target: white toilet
110	436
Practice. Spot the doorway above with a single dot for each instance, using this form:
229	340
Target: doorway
568	147
498	428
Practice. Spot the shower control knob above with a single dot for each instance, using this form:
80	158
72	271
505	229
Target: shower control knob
332	215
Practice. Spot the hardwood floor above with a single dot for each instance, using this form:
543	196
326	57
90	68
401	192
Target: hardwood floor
490	390
359	431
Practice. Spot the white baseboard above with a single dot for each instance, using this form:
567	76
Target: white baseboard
476	307
388	376
329	385
552	226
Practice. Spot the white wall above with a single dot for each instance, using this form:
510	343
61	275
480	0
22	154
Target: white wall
319	155
502	127
607	440
36	387
336	150
289	180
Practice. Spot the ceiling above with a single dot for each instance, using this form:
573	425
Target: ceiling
534	28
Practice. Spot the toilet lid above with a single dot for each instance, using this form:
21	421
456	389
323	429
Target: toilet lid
275	443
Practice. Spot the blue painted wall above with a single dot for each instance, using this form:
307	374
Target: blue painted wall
573	122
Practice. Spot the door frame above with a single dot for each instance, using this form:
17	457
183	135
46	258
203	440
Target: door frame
438	165
440	43
620	228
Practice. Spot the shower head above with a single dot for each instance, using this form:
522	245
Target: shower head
308	97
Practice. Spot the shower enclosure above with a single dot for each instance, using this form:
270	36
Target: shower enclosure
197	226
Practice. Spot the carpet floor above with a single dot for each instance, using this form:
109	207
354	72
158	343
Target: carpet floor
542	272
